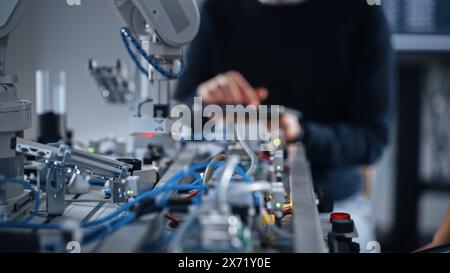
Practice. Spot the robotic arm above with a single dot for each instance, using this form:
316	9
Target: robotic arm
15	115
171	24
163	28
11	13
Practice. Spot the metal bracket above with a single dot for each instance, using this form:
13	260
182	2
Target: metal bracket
56	190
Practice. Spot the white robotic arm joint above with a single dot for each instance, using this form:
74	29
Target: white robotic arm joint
174	22
163	27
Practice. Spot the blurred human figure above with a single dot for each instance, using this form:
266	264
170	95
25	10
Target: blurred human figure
331	60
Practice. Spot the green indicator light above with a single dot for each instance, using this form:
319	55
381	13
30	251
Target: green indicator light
278	205
92	150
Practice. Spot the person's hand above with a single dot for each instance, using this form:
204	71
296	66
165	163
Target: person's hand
231	89
442	236
290	126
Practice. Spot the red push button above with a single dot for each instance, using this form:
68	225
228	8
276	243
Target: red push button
339	216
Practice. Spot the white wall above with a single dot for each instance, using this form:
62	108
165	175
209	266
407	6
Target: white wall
55	36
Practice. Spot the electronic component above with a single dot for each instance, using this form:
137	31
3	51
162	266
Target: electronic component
278	199
164	27
15	117
62	160
221	232
112	82
340	238
141	181
278	165
200	204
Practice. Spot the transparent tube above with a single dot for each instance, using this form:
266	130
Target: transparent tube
50	100
59	94
42	92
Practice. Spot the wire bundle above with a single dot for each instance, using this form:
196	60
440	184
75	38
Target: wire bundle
114	221
100	228
127	38
36	197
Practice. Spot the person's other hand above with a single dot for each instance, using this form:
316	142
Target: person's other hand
231	89
442	236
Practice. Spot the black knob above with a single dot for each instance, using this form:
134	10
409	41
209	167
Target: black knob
343	226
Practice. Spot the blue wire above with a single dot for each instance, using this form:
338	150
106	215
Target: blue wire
108	229
138	199
169	187
128	37
118	212
36	197
165	200
132	55
196	175
97	182
176	178
149	194
108	224
116	224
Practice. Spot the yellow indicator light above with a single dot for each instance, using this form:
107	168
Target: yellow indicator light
277	142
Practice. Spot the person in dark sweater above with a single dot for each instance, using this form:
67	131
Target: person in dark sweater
331	60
